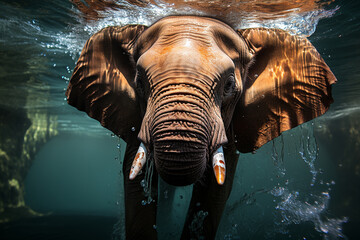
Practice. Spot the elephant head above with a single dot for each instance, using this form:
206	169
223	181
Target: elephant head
188	85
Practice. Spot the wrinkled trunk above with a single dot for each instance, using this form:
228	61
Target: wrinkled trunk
181	131
184	130
180	155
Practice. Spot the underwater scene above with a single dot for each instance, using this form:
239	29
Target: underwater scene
61	171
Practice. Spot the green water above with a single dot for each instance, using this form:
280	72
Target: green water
304	185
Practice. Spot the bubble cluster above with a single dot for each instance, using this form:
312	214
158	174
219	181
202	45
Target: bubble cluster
146	183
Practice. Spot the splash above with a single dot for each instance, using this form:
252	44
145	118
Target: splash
118	232
295	211
302	24
196	226
295	207
296	18
146	183
309	151
278	160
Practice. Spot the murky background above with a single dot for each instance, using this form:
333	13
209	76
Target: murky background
63	167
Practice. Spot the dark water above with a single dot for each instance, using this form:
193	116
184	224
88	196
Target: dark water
65	167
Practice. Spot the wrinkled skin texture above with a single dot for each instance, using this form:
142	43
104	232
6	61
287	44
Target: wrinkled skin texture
189	85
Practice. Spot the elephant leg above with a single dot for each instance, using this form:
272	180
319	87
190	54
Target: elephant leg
208	201
140	220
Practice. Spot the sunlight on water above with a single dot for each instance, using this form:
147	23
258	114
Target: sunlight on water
342	112
303	23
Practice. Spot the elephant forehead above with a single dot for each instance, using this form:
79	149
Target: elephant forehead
186	56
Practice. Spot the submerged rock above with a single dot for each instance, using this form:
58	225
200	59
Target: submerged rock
24	128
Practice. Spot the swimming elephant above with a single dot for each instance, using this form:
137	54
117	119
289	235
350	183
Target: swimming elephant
188	94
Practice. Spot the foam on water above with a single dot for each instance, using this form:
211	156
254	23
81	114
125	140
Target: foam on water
303	23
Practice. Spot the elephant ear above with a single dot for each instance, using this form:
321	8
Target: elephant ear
287	84
102	82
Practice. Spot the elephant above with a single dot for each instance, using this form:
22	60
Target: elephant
188	94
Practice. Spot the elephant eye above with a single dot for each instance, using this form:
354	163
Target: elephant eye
229	86
139	83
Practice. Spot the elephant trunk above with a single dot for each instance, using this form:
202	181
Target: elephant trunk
183	127
181	142
180	167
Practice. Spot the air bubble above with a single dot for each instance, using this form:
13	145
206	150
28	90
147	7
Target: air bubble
326	194
277	191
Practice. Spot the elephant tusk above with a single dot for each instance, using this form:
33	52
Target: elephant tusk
138	162
218	162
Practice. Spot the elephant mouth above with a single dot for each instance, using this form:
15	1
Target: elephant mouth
180	163
180	168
